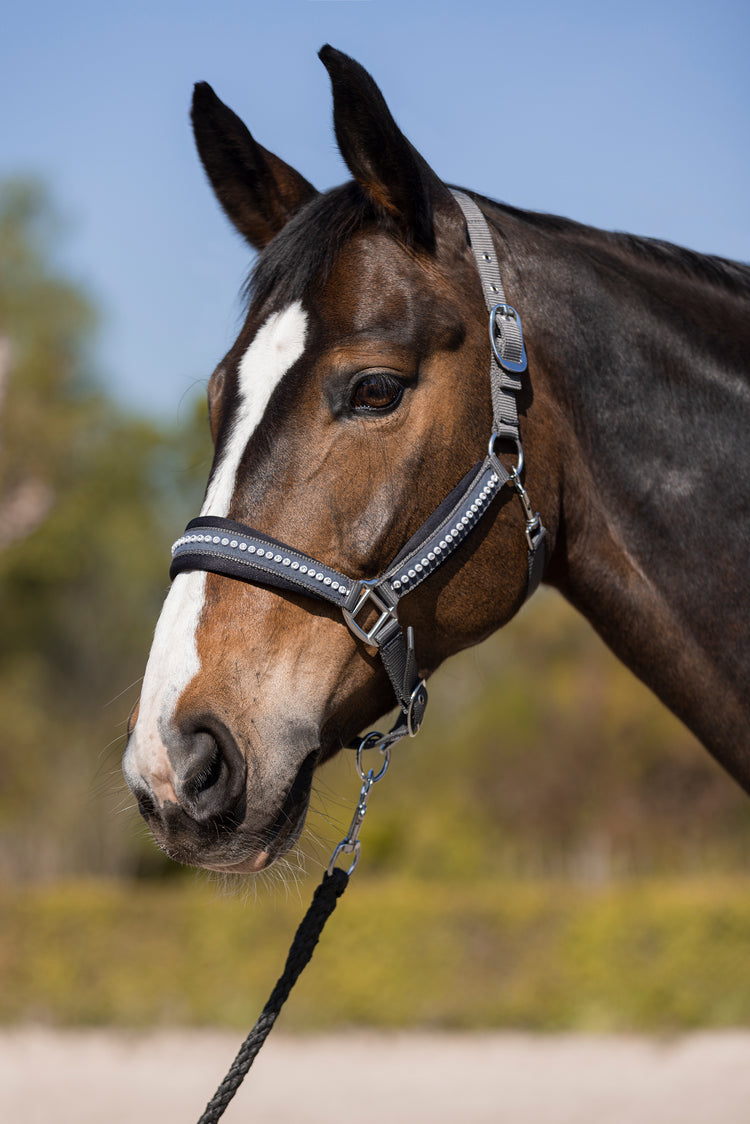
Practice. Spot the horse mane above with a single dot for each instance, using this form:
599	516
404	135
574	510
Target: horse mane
732	276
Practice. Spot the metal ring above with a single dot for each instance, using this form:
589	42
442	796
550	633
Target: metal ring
373	740
517	469
386	752
348	848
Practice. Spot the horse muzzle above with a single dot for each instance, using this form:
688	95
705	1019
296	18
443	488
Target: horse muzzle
195	798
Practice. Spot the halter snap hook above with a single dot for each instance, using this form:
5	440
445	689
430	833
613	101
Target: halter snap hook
351	844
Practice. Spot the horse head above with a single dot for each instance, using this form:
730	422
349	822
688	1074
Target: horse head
354	400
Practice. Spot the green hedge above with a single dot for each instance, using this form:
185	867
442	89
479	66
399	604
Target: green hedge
650	956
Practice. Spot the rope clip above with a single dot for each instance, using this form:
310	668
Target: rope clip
351	844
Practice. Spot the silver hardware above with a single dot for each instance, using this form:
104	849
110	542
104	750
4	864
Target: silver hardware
531	529
350	844
519	449
533	519
414	721
500	313
374	740
387	613
347	848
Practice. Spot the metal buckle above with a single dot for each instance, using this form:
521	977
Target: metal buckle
507	312
387	613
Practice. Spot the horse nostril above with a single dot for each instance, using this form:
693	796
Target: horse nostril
146	806
209	767
210	778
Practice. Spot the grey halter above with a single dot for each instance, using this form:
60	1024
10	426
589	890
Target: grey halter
222	546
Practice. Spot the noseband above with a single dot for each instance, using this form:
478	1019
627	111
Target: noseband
223	546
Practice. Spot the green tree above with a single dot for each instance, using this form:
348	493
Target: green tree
84	490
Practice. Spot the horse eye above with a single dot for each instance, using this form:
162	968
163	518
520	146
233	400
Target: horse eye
376	392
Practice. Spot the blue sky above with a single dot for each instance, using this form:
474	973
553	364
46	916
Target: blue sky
627	116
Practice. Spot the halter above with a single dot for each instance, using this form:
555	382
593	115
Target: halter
223	546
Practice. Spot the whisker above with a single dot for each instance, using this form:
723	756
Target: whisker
124	691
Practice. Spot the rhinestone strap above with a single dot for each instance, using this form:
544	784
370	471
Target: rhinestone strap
207	543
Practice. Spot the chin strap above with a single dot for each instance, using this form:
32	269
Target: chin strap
223	546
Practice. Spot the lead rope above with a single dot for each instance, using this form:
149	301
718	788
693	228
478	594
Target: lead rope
334	882
305	939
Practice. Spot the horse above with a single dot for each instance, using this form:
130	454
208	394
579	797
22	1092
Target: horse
354	419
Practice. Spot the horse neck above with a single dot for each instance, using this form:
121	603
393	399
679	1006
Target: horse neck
640	373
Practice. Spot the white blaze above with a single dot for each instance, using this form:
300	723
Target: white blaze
277	346
174	658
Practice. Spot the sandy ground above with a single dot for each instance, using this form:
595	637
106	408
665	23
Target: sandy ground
49	1077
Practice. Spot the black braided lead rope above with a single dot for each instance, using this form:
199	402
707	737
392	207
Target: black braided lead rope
306	938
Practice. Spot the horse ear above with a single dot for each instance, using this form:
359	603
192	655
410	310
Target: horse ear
258	191
378	154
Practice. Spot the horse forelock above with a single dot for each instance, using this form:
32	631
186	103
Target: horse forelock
303	253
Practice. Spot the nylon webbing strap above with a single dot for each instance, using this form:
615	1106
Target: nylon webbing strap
507	364
508	356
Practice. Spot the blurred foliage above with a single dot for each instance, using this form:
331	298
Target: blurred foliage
650	956
84	489
543	756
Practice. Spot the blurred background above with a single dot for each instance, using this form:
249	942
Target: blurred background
555	851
